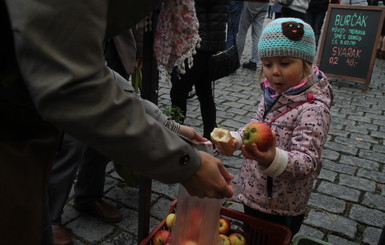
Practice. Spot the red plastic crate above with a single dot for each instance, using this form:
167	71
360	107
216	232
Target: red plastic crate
261	232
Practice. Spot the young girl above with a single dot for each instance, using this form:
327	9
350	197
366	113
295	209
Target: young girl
276	184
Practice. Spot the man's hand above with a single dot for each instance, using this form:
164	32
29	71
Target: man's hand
211	180
191	133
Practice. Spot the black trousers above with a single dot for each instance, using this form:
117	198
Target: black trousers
197	76
292	222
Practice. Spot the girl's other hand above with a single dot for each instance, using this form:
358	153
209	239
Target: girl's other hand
264	158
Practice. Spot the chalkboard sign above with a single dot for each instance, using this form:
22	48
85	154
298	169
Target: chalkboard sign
349	42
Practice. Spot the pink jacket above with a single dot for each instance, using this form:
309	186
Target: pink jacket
301	136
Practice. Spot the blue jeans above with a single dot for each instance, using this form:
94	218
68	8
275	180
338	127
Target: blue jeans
253	14
233	22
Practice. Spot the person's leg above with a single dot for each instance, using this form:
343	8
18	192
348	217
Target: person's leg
63	174
203	88
259	11
292	222
91	175
89	188
318	23
233	22
181	86
287	12
244	24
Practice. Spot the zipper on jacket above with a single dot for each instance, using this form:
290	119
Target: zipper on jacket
269	180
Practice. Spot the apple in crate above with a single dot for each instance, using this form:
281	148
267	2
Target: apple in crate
237	239
260	134
225	239
224	226
161	237
170	220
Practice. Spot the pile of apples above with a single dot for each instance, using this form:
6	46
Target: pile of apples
227	237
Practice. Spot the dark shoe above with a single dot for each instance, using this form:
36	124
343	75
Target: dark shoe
61	235
250	65
101	210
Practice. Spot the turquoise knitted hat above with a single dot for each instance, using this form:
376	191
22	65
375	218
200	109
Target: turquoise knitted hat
287	37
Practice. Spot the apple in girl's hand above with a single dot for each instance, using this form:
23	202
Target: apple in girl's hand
260	134
161	237
170	220
237	239
225	239
224	226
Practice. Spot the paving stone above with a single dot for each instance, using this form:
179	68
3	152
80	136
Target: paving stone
339	168
327	203
330	154
90	229
327	175
122	238
335	240
374	201
310	231
364	137
357	183
359	162
371	235
373	175
339	191
372	155
342	148
352	143
368	216
332	222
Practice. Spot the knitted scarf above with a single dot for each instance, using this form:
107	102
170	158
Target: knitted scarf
176	35
271	95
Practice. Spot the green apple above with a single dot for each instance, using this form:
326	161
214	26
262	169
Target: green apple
260	134
225	239
237	239
170	220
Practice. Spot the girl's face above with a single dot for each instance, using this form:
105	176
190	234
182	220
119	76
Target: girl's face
283	72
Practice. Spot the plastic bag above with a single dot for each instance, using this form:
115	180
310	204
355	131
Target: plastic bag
197	219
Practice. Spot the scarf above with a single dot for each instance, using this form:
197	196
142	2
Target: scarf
270	95
176	35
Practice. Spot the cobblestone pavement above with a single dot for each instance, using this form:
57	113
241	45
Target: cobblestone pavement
348	203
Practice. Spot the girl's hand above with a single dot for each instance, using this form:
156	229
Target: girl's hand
228	149
264	158
191	133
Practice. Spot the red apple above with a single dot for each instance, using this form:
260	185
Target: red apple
161	237
224	226
260	134
237	239
225	239
170	220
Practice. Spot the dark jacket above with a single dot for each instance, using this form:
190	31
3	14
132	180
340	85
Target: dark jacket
212	17
318	6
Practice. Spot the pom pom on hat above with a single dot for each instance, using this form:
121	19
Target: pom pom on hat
290	37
